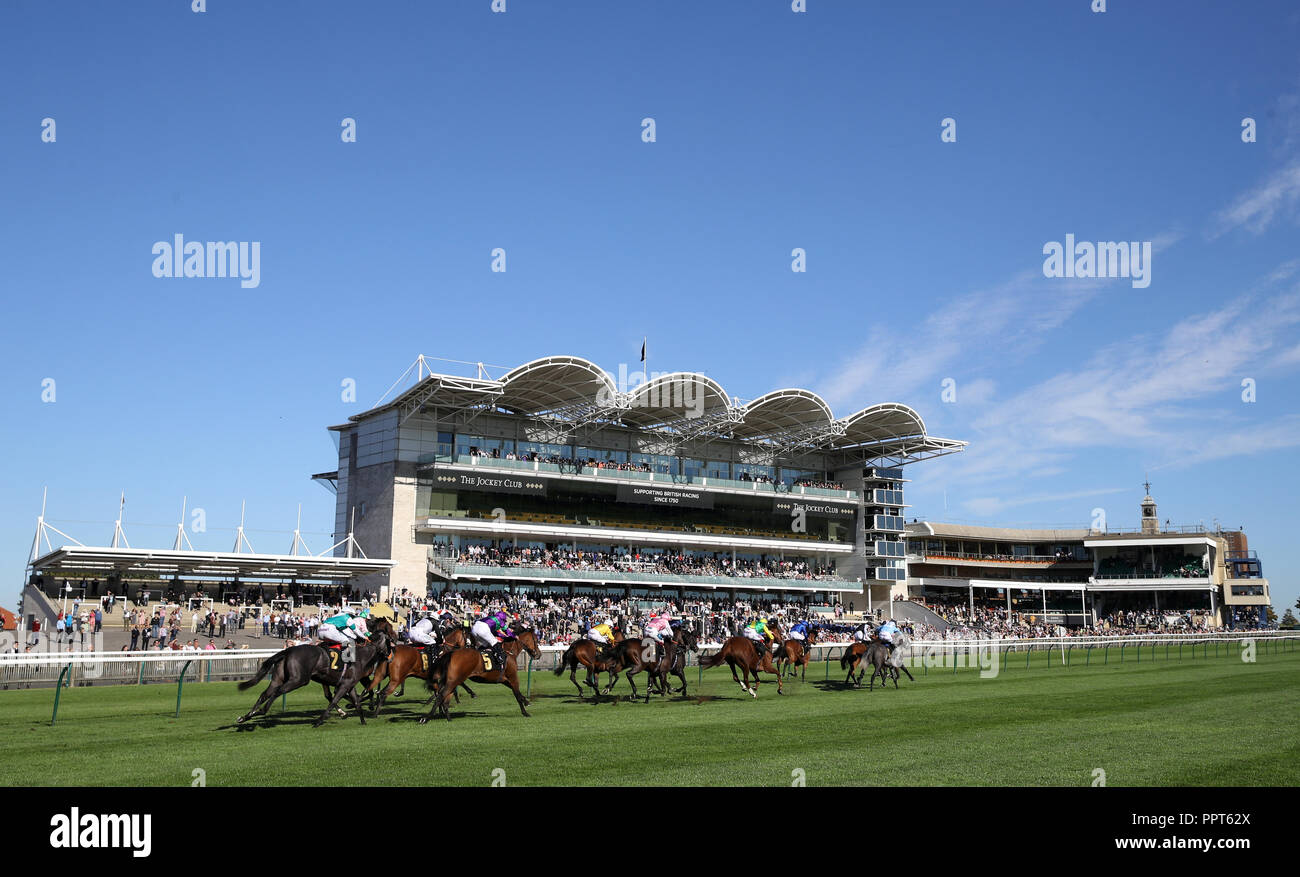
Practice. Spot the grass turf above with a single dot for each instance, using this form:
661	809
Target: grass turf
1201	722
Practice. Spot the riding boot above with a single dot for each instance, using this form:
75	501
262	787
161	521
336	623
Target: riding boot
350	653
499	658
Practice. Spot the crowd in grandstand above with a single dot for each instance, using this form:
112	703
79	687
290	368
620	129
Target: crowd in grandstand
667	564
997	622
594	463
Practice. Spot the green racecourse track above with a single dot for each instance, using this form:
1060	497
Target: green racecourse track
1159	721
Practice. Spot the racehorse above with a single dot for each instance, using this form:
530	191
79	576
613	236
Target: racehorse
883	660
738	651
297	666
878	655
673	661
586	652
635	655
794	654
852	655
457	665
408	661
374	625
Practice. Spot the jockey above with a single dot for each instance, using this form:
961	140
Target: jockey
756	631
800	631
422	632
863	633
345	628
887	632
488	631
657	628
601	633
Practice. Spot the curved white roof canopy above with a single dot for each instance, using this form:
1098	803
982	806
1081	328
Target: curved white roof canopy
674	398
555	383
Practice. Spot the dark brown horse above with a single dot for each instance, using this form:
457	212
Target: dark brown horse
457	665
738	651
375	625
593	656
795	654
673	662
295	667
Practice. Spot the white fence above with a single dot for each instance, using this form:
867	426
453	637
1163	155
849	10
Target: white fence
88	668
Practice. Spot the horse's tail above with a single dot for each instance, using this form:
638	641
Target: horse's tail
844	658
714	660
267	666
437	671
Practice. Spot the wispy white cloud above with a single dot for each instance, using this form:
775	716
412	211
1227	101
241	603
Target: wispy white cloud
990	506
1257	208
1146	392
1012	316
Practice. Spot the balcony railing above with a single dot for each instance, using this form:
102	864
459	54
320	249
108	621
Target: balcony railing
630	576
644	477
1203	577
998	558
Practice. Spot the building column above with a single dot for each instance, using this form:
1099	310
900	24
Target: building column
972	599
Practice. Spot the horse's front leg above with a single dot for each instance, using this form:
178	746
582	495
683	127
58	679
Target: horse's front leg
339	691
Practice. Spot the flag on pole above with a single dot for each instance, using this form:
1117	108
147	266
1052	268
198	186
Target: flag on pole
643	340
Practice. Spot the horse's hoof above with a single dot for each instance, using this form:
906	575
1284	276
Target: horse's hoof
424	720
240	720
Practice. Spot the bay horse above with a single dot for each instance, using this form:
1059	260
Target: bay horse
795	654
587	653
673	662
457	665
295	667
852	656
407	661
738	651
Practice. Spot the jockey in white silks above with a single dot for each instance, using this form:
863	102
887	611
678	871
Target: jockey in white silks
422	632
345	628
657	628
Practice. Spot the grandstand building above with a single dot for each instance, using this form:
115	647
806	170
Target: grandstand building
1075	578
551	480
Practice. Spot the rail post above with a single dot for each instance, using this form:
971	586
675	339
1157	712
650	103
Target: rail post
529	693
1049	658
139	678
1087	656
1105	654
1139	651
58	689
180	682
1027	651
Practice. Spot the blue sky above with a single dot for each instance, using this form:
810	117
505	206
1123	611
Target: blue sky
774	130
